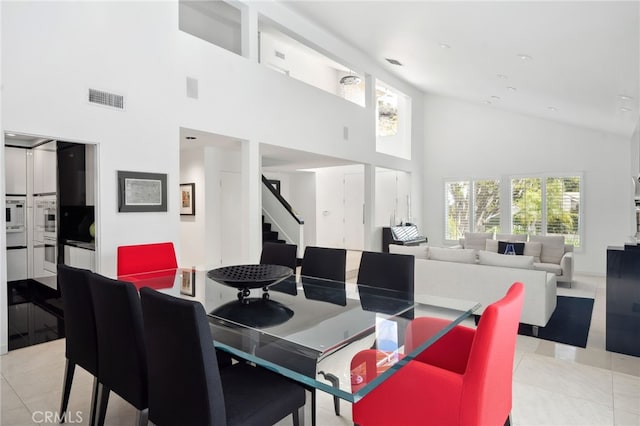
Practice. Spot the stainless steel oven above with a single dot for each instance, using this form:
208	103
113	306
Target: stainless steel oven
46	218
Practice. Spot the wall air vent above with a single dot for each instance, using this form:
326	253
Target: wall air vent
106	99
279	55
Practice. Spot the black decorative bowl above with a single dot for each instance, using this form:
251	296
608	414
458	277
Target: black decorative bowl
249	276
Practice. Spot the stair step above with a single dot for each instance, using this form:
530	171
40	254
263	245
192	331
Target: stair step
266	227
269	236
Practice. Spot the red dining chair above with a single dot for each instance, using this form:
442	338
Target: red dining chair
156	260
464	378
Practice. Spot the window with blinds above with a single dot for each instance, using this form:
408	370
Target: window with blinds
547	206
456	209
563	208
471	206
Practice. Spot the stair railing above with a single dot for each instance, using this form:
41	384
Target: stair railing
282	217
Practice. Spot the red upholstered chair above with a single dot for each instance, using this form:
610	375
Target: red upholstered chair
462	379
157	260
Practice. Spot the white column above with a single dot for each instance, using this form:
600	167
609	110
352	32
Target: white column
251	211
370	233
249	32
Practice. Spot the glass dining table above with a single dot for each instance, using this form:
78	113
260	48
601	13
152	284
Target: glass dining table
337	337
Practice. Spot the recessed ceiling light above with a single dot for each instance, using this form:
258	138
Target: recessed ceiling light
511	88
551	108
190	138
624	109
502	76
625	97
11	134
497	98
445	46
524	57
393	61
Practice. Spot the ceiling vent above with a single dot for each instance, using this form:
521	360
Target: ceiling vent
393	61
105	98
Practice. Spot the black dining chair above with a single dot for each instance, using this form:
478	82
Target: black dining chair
329	264
122	359
80	331
284	255
279	254
323	262
186	387
388	271
381	272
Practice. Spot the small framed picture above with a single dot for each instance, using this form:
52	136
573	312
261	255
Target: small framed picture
188	282
142	192
187	199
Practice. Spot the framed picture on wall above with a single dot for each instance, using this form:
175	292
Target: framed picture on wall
187	199
142	192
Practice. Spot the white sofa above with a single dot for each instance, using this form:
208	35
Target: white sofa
550	252
485	284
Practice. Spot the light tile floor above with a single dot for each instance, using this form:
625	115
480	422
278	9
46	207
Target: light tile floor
554	384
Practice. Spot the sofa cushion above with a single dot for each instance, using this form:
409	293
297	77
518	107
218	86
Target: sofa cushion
511	237
496	259
475	240
452	254
533	248
554	268
552	247
419	252
518	247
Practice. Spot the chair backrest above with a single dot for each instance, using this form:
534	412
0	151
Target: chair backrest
322	262
279	254
139	258
79	317
122	359
389	271
184	382
488	377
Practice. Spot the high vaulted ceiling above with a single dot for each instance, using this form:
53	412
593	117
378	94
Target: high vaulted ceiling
576	62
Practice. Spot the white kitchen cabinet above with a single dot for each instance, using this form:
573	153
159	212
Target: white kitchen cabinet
16	264
38	261
80	258
45	169
15	165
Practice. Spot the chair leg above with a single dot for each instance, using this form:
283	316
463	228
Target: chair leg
142	417
103	401
94	402
69	369
534	330
508	421
298	417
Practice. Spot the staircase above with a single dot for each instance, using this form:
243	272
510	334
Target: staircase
268	235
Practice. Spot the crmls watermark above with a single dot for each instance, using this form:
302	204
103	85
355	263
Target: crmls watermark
55	417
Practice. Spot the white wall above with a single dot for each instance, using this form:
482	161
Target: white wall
467	140
298	62
201	242
53	52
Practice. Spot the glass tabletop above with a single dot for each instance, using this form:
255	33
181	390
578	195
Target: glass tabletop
341	338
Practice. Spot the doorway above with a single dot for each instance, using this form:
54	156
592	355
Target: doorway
54	181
